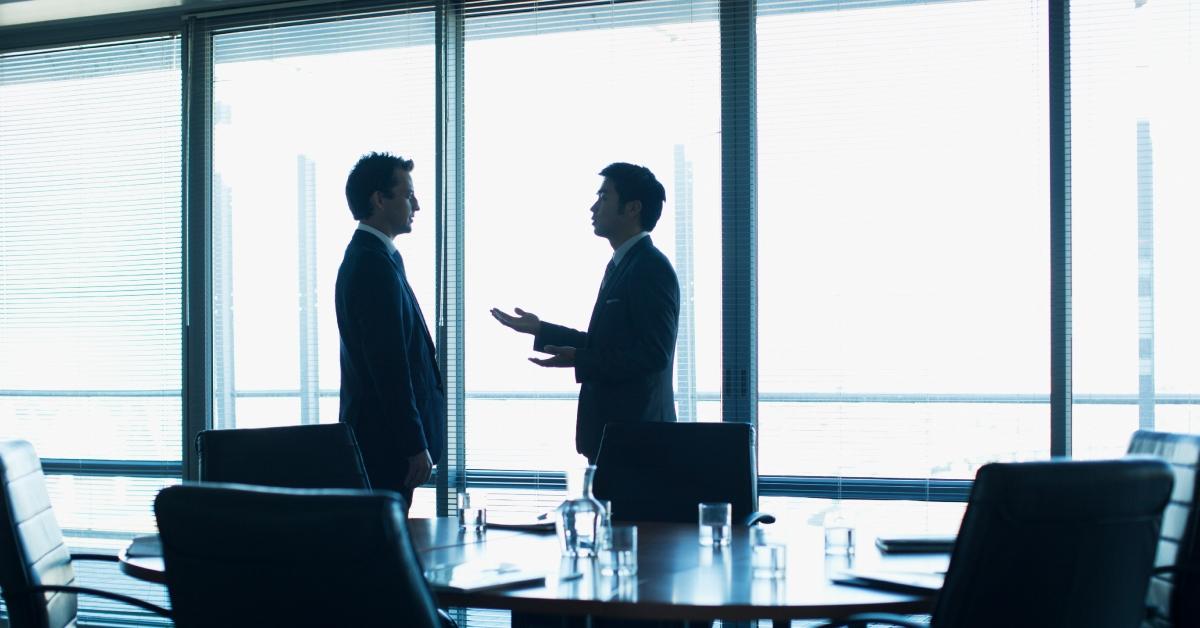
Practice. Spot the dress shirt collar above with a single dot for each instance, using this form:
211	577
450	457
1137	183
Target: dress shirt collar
387	242
624	248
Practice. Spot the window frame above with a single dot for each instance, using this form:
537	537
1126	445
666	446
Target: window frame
739	255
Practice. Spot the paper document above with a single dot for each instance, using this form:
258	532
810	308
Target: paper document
481	576
915	544
906	581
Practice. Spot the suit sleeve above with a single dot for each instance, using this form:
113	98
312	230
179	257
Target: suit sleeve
654	308
559	336
380	313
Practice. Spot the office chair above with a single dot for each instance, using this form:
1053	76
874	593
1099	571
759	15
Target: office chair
36	575
1174	595
296	456
661	471
1052	544
239	555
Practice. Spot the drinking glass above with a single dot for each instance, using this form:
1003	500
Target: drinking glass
715	524
768	558
618	551
839	533
471	513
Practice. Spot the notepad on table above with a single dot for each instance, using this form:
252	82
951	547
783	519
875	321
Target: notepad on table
542	523
904	581
481	576
915	544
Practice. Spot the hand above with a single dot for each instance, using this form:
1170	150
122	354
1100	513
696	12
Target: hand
524	322
559	357
420	467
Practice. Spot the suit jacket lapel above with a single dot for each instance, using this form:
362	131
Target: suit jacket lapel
369	240
399	266
618	277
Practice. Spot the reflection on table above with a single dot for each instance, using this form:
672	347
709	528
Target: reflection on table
677	578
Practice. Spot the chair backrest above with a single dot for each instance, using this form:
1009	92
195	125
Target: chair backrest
1174	598
238	555
32	551
660	471
296	456
1063	543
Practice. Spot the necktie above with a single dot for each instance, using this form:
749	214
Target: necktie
608	270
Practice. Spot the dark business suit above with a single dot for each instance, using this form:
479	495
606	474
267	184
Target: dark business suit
392	392
624	361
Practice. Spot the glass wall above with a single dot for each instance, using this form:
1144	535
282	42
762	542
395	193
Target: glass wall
552	97
1135	91
903	246
91	280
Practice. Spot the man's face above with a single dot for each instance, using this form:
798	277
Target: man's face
608	218
399	207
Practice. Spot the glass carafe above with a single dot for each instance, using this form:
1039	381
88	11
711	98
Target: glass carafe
580	515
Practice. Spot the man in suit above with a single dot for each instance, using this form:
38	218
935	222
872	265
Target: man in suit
624	361
392	391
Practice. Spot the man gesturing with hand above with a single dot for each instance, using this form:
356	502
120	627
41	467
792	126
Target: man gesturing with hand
624	361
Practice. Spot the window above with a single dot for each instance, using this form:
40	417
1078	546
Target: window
903	237
1135	90
295	105
91	280
552	96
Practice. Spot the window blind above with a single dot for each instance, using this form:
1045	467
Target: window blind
554	93
1135	90
296	102
903	265
90	279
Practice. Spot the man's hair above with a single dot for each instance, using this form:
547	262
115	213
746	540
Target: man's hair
637	183
374	172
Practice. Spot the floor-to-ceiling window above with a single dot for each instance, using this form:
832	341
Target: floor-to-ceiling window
91	281
553	95
295	104
1135	139
903	249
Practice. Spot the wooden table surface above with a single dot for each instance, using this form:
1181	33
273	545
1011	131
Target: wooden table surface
677	579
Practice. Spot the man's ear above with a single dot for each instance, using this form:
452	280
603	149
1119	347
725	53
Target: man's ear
376	201
634	208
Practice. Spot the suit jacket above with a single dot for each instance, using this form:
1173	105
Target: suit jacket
392	391
624	362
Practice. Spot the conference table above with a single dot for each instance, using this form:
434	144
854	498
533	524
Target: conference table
677	578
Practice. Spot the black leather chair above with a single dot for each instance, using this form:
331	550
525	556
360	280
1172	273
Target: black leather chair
36	575
297	456
1174	596
239	555
661	471
1052	544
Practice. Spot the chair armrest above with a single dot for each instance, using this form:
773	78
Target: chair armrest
758	517
133	601
108	558
862	619
446	620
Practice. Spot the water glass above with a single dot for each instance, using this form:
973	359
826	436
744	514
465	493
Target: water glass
839	540
471	513
768	558
618	551
715	524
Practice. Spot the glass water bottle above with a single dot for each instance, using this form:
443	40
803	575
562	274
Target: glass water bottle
580	515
